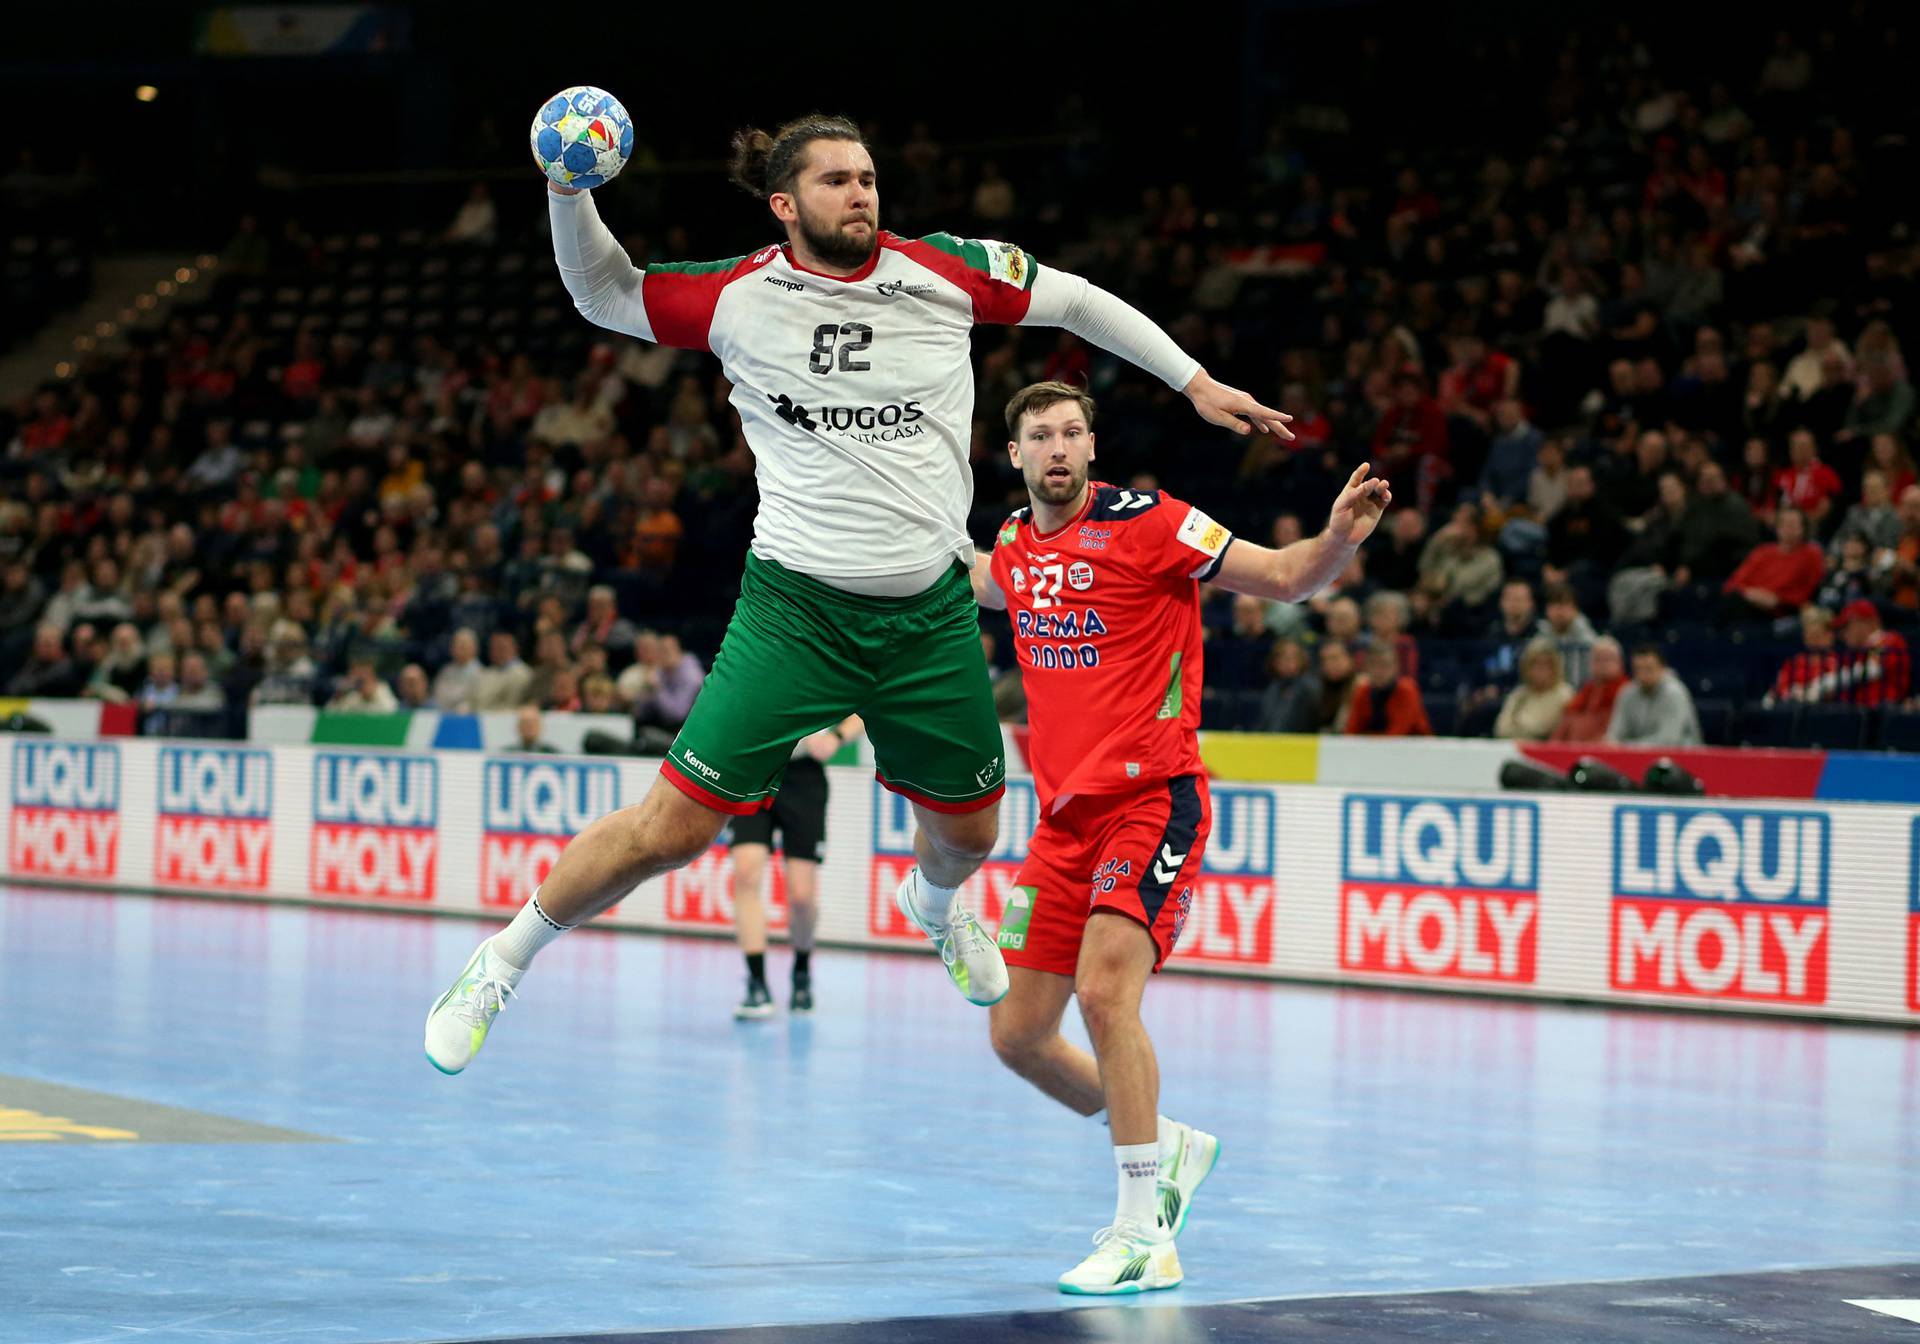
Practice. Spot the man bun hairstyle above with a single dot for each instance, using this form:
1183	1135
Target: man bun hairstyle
1037	397
764	164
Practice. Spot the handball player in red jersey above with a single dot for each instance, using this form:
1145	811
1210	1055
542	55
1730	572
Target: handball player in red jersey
1102	586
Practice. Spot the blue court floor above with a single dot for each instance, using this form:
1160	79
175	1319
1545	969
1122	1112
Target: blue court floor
625	1157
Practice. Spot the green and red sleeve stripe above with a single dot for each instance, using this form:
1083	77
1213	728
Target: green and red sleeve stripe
680	296
998	297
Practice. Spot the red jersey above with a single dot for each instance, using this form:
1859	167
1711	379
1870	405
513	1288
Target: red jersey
1106	625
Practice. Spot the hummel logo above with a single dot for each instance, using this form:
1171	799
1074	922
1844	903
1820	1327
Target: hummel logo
1167	866
1129	499
784	407
889	288
793	285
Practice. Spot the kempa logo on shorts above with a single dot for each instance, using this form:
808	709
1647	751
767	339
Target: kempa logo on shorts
699	764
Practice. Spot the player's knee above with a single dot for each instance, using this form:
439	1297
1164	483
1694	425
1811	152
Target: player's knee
969	836
1017	1042
664	833
1108	1000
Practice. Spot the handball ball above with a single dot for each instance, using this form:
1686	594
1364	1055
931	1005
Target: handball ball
581	137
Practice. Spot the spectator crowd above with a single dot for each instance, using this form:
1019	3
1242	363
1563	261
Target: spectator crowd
1635	365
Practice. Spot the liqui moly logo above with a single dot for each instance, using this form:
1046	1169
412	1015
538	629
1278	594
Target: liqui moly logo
375	819
1913	917
1720	903
1440	889
985	893
1231	919
530	808
214	828
65	821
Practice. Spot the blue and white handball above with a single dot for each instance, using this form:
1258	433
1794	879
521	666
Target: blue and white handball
581	137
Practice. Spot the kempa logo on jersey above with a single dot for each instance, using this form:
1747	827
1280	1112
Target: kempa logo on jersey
893	288
1913	917
215	823
985	893
863	424
706	771
1230	918
1720	903
65	820
529	810
793	285
375	820
1437	889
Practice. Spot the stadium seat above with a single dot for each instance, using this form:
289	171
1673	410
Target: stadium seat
1831	727
1716	721
1767	726
1900	731
1443	713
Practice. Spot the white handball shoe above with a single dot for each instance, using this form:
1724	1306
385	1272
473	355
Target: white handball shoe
1185	1160
1129	1257
457	1026
971	954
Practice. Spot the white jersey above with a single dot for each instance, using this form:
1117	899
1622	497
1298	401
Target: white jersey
855	392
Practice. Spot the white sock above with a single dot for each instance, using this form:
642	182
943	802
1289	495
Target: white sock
1166	1133
531	930
1139	1168
932	900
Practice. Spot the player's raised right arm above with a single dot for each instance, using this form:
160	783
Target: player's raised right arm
605	284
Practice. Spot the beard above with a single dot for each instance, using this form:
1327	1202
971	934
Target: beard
1056	491
834	245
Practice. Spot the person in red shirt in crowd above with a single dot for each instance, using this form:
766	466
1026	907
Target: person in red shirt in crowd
1587	715
1877	669
1385	703
1477	379
1813	674
1778	577
1411	439
1807	483
1102	586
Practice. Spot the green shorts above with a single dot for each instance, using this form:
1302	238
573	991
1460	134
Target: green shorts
800	656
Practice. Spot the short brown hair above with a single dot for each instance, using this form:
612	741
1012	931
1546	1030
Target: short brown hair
1037	397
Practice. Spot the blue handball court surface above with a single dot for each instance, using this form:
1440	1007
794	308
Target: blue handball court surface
219	1126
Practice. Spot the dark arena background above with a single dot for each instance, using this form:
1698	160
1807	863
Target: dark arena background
1553	968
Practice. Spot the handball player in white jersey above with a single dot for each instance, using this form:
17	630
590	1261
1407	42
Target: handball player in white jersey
848	351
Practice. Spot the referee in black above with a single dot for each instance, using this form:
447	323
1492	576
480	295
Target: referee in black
799	814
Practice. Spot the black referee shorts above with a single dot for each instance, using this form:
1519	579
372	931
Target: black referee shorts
799	814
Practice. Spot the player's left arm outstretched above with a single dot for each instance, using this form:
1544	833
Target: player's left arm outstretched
1295	573
1062	299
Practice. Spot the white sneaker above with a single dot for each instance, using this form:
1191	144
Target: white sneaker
1129	1257
1185	1160
457	1026
971	954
